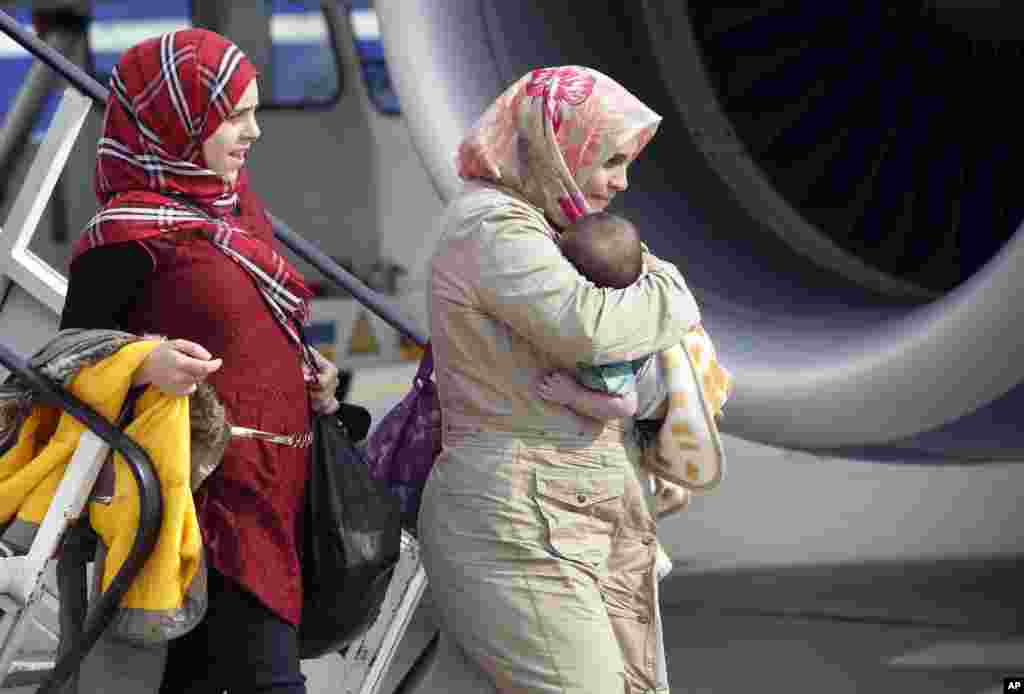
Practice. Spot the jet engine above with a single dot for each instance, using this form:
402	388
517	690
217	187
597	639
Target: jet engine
833	180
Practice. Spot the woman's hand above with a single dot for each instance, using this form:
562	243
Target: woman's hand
650	261
669	498
322	385
176	367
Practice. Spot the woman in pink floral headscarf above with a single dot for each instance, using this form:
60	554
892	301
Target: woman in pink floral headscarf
536	537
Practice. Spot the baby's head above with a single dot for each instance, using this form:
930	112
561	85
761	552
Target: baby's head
605	249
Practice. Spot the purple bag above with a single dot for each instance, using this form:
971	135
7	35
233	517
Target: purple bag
402	448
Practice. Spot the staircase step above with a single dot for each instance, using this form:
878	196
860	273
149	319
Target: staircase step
26	674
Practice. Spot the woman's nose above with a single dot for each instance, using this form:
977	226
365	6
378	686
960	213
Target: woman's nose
619	182
252	130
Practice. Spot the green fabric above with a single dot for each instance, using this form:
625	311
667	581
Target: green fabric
614	379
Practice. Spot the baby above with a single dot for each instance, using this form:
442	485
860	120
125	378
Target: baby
606	249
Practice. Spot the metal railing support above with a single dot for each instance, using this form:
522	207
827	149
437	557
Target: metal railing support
29	102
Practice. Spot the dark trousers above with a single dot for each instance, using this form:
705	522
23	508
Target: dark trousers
240	647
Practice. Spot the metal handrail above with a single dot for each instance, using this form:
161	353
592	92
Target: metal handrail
373	300
83	82
150	510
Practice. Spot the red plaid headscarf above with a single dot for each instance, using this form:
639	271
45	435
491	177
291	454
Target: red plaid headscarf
167	96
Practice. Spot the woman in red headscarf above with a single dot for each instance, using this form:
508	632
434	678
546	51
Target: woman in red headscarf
181	247
535	534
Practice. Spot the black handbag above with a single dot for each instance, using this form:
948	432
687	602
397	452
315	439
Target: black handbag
352	539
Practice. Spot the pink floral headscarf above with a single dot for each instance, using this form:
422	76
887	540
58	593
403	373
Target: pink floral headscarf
547	134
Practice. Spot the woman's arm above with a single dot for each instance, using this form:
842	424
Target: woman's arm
559	387
103	285
525	281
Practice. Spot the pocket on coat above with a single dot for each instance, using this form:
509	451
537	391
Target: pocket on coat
582	510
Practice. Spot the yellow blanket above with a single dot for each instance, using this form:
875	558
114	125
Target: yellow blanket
689	449
160	603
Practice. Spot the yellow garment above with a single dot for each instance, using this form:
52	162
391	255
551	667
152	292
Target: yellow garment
31	471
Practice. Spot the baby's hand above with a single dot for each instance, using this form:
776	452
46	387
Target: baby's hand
669	498
556	386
